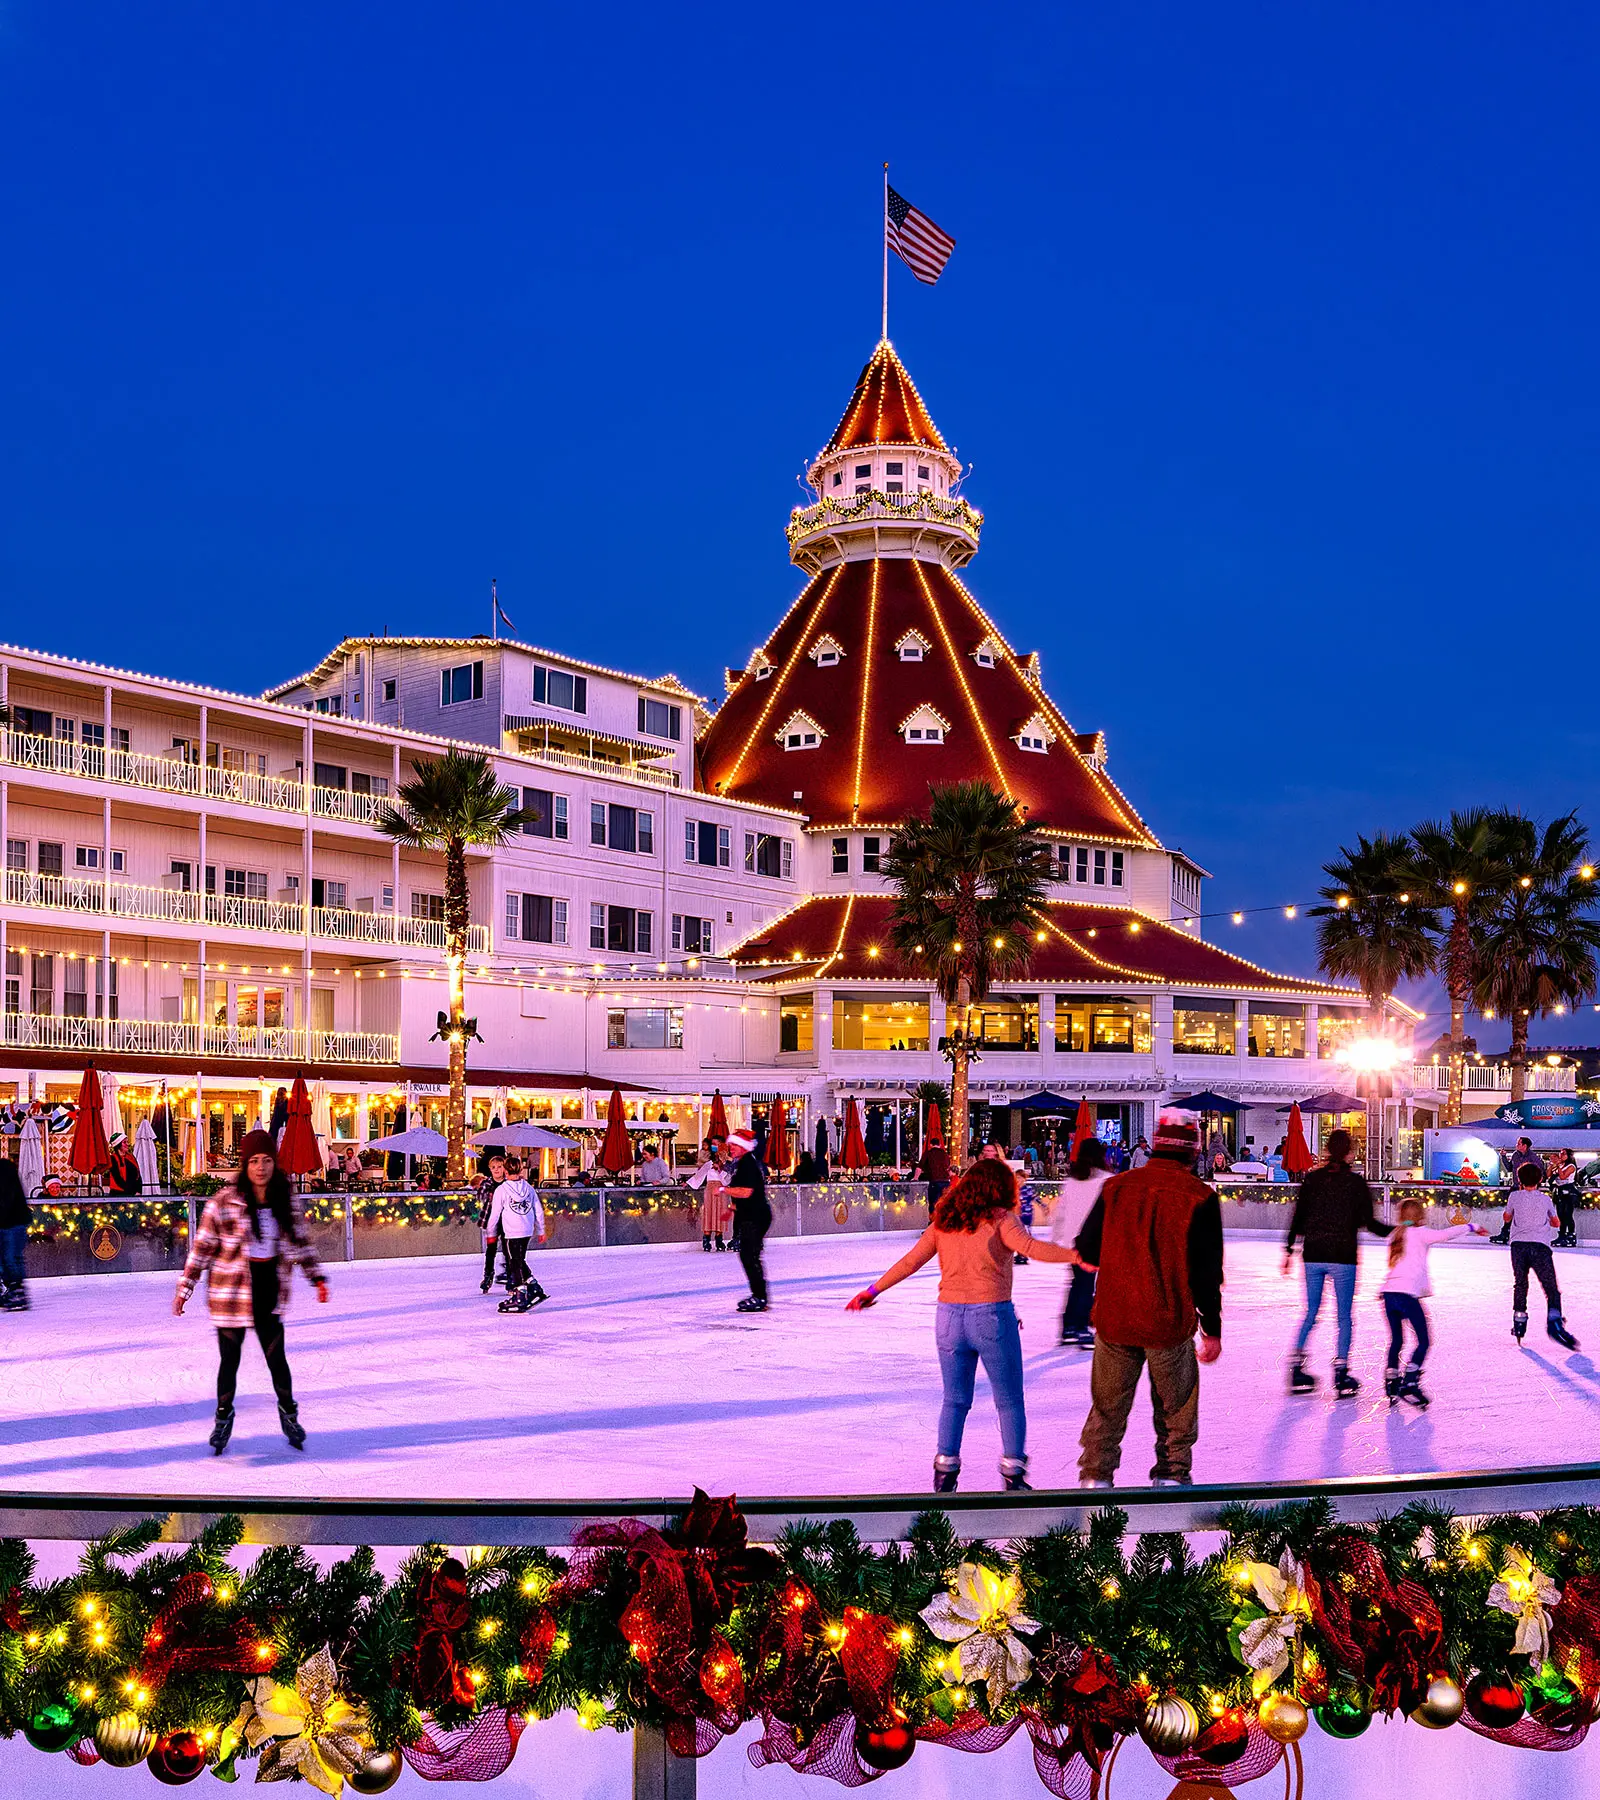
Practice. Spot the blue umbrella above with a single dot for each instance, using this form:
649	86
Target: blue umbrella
1211	1103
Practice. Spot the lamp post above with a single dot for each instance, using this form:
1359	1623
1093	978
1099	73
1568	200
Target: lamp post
1370	1060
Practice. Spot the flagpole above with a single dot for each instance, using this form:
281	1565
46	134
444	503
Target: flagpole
885	253
494	606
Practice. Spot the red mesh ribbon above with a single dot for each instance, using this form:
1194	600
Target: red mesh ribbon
538	1638
1388	1635
84	1753
831	1752
11	1610
869	1656
442	1608
1060	1766
1575	1652
179	1639
480	1751
1086	1706
1260	1756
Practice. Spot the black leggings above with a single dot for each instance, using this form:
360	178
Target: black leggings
1536	1257
1403	1310
490	1251
751	1238
1080	1300
269	1330
516	1262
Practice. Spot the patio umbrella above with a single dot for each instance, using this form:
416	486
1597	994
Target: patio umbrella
1297	1157
933	1131
1083	1127
111	1107
297	1148
822	1144
854	1153
30	1157
718	1124
322	1117
90	1155
418	1141
1332	1102
1209	1102
778	1138
144	1154
521	1137
616	1153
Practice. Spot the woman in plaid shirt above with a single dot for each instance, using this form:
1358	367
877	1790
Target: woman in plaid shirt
250	1239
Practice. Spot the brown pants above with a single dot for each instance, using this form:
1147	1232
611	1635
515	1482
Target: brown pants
1174	1400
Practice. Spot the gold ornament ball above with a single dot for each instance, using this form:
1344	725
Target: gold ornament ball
1283	1717
379	1771
1441	1705
1170	1725
122	1740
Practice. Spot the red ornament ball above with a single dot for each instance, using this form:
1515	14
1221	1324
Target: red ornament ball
889	1748
178	1757
1224	1740
1494	1700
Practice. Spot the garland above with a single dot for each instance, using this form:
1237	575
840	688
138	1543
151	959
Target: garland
850	1655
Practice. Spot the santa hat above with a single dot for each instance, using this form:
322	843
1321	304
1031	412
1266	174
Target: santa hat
741	1143
1176	1130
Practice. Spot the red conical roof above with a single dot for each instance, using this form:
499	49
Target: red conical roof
885	409
862	770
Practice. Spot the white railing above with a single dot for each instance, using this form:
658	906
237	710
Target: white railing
1494	1078
243	787
920	507
646	773
190	1040
335	803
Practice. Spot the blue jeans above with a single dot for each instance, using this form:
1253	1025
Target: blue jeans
1343	1277
1403	1310
13	1242
965	1334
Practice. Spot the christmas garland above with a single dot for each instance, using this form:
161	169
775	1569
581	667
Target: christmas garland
850	1655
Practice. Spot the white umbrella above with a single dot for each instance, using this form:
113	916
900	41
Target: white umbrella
111	1107
30	1158
144	1154
522	1137
321	1116
418	1141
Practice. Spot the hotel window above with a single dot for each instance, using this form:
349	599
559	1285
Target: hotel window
325	775
42	991
94	735
871	855
536	918
924	734
644	1028
75	989
388	895
1116	868
911	651
597	926
838	478
244	884
1336	1026
707	844
376	785
423	906
924	474
389	690
896	470
765	854
457	685
1099	868
799	739
561	689
1081	863
539	813
1276	1029
1008	1022
13	981
867	1022
796	1023
1031	740
984	656
32	721
1104	1025
841	856
1063	862
1202	1027
827	656
657	719
261	1008
597	822
863	471
691	934
627	829
86	856
49	858
17	854
119	862
628	931
105	989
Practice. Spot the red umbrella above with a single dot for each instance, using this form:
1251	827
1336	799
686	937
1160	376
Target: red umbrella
718	1126
91	1155
934	1131
616	1153
778	1137
1083	1127
298	1153
854	1153
1297	1157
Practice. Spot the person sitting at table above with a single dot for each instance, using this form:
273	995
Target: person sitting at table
124	1177
654	1169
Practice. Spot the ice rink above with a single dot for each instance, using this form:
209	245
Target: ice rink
638	1377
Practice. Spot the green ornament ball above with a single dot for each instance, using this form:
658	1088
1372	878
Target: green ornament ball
379	1771
1342	1718
53	1728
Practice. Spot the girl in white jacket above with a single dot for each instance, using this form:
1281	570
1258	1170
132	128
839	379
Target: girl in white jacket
1406	1287
1087	1174
516	1216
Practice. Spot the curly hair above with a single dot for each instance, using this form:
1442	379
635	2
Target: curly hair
987	1188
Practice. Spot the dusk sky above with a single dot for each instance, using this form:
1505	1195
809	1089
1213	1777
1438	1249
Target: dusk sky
1270	335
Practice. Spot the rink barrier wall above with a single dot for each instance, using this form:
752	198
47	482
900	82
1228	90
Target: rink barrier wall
153	1233
879	1518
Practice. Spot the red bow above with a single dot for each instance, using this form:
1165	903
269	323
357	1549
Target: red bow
1085	1699
442	1610
869	1656
177	1641
538	1638
1389	1635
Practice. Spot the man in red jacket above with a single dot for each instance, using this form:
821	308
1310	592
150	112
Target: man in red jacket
1156	1236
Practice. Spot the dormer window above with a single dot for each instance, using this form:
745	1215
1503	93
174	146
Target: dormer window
925	726
987	654
1036	735
863	471
1028	741
760	665
911	647
924	474
890	468
826	652
801	732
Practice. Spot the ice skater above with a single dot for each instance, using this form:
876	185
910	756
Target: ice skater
975	1234
711	1178
1404	1290
1086	1175
486	1193
752	1215
14	1215
251	1238
517	1215
1333	1206
1534	1224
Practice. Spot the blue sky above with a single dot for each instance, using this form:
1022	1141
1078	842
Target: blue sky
1269	334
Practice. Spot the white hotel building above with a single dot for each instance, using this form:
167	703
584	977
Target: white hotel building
195	894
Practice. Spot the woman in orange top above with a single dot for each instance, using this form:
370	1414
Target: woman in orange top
975	1234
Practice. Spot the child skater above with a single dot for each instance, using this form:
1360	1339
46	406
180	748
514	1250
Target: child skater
1406	1287
711	1178
1534	1225
486	1193
1087	1173
517	1216
975	1234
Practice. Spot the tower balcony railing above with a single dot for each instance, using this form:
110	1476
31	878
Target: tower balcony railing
920	508
130	901
1495	1078
281	794
193	1041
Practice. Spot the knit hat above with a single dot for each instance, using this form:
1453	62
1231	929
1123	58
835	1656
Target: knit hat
1176	1131
256	1143
741	1143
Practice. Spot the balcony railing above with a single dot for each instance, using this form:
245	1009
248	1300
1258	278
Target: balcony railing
911	509
128	900
648	774
1493	1078
171	1037
175	775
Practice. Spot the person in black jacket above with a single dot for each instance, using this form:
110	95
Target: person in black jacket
14	1216
752	1215
1333	1205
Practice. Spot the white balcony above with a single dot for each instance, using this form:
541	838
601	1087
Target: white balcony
192	1041
1491	1078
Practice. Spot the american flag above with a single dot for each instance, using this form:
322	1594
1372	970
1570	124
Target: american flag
915	239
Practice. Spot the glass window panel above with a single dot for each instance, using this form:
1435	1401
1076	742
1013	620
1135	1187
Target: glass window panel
1008	1022
877	1022
1336	1026
1103	1024
796	1019
1277	1030
1202	1026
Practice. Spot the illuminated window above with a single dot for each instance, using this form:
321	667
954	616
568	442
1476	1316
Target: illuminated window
796	1021
1277	1029
868	1022
1103	1024
1008	1022
1336	1026
1202	1026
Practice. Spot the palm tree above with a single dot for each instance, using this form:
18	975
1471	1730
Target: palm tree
1458	870
1538	949
969	883
452	802
1373	930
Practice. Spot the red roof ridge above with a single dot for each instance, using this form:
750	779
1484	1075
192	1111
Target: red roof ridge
881	412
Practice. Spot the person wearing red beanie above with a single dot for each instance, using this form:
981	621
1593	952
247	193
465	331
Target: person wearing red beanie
250	1239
